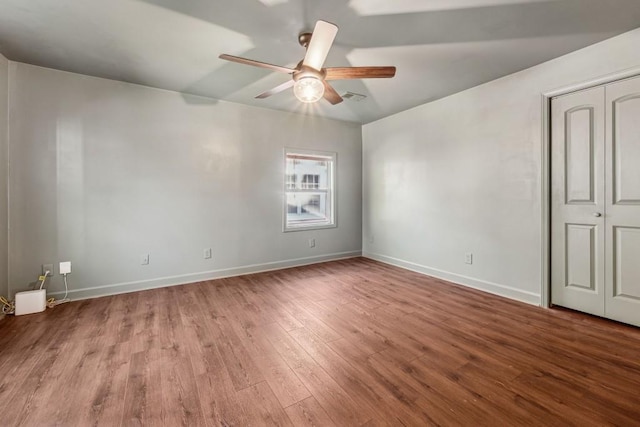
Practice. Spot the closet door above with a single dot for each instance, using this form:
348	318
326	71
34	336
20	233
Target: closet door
578	201
623	201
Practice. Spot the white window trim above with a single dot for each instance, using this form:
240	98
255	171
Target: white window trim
332	194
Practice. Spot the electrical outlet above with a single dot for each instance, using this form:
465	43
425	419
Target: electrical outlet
49	268
312	243
144	259
372	239
207	253
65	267
468	258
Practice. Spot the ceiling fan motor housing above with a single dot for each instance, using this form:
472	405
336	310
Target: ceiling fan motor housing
303	71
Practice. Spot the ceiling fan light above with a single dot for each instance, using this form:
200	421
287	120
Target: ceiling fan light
308	89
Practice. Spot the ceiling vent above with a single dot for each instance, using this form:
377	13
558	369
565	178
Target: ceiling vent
354	96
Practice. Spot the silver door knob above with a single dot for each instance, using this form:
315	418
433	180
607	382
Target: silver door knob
597	214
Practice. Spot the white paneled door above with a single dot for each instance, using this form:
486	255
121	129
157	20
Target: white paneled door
622	233
595	201
578	201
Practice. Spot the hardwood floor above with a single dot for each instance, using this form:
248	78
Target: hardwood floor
351	342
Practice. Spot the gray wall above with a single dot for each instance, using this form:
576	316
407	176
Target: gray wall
4	166
464	174
103	172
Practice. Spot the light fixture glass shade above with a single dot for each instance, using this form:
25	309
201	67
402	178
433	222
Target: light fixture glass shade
308	89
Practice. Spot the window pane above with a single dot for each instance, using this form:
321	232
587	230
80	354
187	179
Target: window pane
291	181
305	208
310	181
307	174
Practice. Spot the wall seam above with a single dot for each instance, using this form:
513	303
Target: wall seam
8	176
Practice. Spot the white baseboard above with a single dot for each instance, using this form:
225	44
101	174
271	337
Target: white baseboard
482	285
141	285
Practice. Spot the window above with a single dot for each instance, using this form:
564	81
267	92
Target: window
309	190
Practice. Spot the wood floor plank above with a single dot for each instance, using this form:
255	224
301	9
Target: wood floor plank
220	402
146	330
327	392
143	394
311	322
262	407
348	325
284	383
350	342
108	400
279	312
28	403
237	360
180	397
308	412
218	398
44	403
84	404
361	386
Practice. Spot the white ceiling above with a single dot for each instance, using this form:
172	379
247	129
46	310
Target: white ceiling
438	46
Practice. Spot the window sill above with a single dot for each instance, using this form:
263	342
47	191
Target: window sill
308	227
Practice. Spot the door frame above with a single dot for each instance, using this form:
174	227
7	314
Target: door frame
545	181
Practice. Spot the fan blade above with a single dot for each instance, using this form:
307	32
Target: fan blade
331	95
277	89
256	63
340	73
321	40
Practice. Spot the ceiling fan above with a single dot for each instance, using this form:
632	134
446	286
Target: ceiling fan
309	79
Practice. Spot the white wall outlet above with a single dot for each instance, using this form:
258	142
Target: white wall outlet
468	258
65	267
207	253
312	243
49	268
372	239
144	259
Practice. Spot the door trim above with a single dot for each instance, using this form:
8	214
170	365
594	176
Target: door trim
545	181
